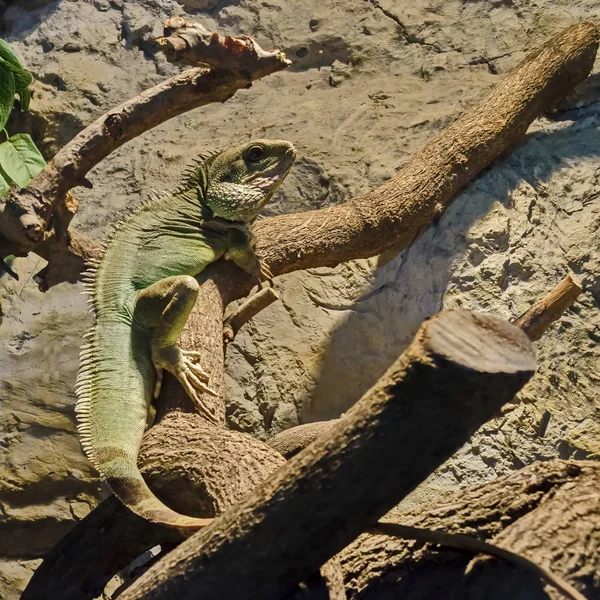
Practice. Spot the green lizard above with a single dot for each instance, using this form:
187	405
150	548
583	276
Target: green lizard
142	291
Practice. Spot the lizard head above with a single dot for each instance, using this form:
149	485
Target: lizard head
242	179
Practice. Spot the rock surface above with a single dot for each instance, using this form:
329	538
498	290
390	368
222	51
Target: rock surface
371	82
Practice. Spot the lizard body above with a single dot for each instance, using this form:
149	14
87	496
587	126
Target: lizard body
142	291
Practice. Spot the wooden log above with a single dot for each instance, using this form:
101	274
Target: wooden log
548	512
410	422
213	471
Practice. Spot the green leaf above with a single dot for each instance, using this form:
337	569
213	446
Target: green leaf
7	93
8	55
4	186
23	79
24	97
21	159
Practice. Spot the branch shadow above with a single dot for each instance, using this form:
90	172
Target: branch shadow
410	286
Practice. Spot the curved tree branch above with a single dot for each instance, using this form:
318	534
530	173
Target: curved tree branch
26	213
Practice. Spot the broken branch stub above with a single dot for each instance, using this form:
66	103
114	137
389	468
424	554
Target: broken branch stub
410	422
538	318
189	42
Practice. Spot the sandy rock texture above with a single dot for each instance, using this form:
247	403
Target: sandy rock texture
372	81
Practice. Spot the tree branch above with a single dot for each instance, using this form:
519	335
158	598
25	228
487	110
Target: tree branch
538	318
472	544
537	512
26	214
188	42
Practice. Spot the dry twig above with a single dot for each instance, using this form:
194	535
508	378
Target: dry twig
538	318
247	311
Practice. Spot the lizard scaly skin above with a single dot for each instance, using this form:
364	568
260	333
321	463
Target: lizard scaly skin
142	291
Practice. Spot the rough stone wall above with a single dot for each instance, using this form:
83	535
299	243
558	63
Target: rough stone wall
372	81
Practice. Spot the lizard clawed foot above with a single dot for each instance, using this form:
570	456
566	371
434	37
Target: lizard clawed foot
184	365
264	274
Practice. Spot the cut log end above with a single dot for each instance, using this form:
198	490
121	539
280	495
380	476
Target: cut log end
477	341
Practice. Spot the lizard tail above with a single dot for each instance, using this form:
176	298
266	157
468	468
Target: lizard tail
111	424
127	483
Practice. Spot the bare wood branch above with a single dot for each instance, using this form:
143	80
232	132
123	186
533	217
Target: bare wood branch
423	189
472	544
26	214
247	311
211	472
538	318
412	420
391	214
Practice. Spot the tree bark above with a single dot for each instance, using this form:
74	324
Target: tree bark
548	512
413	419
215	469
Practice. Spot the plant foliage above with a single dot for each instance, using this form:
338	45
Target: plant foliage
20	160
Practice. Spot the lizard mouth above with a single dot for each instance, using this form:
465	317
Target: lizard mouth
272	177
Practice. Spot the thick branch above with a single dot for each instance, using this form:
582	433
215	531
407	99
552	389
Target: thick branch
412	420
534	322
25	216
391	214
460	541
423	188
547	512
204	472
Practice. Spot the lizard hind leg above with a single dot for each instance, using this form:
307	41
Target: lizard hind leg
164	307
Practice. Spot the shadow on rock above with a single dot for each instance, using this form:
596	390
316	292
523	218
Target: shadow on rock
413	285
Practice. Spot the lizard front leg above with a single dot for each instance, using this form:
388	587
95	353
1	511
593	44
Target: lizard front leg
241	252
164	307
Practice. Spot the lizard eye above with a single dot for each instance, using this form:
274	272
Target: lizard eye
255	153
